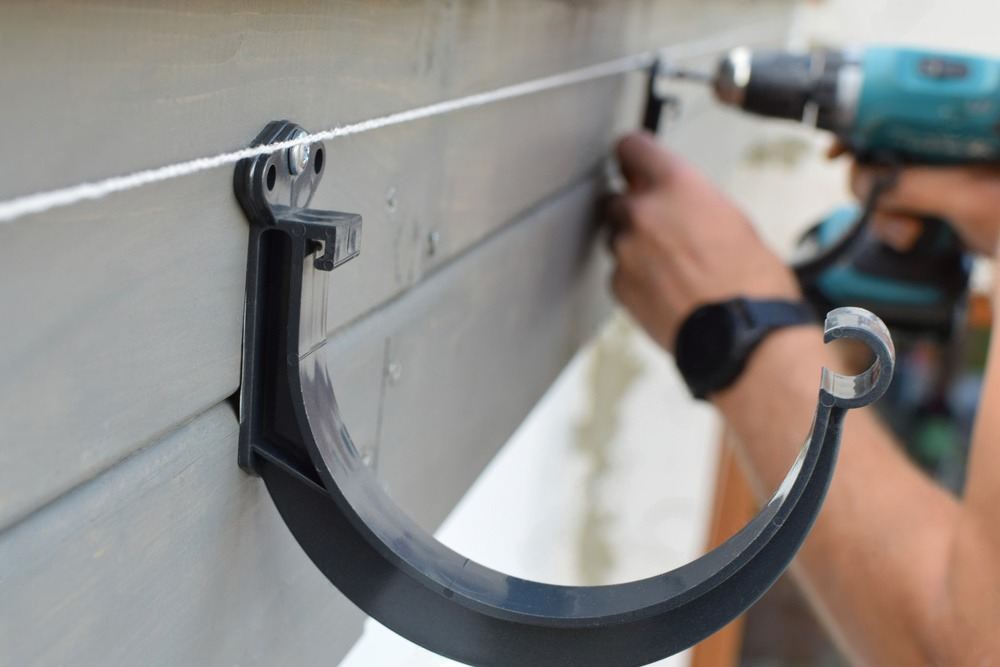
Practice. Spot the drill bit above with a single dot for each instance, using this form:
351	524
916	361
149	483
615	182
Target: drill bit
661	71
673	71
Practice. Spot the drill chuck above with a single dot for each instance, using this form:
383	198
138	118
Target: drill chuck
819	88
883	103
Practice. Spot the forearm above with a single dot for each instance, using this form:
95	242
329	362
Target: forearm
871	561
903	572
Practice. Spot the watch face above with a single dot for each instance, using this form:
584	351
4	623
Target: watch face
714	342
705	342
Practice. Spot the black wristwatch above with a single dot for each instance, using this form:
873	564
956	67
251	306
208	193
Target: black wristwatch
715	341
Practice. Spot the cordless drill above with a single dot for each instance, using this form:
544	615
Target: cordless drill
888	106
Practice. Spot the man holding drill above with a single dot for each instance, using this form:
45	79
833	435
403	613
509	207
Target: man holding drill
900	571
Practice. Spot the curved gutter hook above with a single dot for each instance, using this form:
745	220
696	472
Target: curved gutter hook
292	435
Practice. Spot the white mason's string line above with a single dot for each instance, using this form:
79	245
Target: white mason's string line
12	209
18	207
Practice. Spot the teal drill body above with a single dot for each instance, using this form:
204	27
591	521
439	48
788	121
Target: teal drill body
927	107
884	102
891	106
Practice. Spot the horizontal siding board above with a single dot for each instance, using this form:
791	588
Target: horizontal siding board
175	556
189	78
116	328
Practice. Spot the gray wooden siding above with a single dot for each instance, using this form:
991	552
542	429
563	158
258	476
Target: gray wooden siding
174	557
127	533
122	317
177	554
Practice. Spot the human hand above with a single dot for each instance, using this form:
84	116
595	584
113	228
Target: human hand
967	196
679	243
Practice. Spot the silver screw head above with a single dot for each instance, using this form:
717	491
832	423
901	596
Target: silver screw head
298	156
395	372
433	242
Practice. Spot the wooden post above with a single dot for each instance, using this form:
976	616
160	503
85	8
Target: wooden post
733	506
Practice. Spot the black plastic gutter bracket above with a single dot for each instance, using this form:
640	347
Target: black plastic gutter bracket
292	435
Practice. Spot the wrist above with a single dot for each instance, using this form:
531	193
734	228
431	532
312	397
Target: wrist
785	365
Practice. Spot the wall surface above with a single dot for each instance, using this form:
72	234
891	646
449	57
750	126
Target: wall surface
127	533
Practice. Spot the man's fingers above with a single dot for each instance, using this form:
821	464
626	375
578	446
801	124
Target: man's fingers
864	177
916	190
899	232
836	149
925	190
644	163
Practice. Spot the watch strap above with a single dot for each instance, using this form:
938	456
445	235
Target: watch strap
766	315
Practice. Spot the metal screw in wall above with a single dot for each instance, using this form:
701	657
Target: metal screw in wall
395	372
298	156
